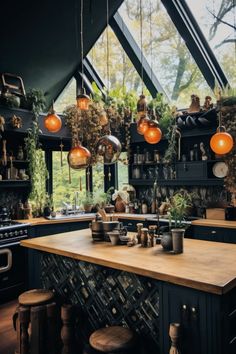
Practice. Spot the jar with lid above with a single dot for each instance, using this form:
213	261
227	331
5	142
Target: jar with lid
144	207
144	237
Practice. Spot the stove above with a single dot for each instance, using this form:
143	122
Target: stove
12	231
13	257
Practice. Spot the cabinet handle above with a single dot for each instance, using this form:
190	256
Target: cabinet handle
193	309
213	232
184	307
130	224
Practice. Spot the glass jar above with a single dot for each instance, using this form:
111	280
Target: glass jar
136	173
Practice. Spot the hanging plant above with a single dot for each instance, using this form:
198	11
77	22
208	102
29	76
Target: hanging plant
37	165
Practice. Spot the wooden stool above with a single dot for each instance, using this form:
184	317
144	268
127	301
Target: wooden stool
37	312
114	339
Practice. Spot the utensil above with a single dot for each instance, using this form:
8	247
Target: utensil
4	150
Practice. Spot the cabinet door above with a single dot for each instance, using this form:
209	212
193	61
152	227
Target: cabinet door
230	235
187	307
209	233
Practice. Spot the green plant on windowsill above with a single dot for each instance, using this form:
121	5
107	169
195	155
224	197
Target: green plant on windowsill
88	202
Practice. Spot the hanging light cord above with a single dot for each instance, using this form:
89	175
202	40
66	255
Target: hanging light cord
150	30
82	40
108	53
141	39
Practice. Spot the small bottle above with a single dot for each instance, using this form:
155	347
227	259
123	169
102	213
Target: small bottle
127	209
144	207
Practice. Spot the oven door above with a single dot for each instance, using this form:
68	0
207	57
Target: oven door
13	271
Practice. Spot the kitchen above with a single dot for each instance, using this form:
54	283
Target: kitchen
117	186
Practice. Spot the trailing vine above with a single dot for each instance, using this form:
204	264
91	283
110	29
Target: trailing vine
37	165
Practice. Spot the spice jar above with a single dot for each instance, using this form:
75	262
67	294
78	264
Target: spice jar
139	228
144	237
144	207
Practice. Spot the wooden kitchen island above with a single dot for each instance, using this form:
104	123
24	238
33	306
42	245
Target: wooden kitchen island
146	289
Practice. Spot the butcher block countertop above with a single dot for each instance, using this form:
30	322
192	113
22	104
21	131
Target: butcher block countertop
206	266
135	217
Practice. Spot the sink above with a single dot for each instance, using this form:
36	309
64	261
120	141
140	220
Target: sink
71	216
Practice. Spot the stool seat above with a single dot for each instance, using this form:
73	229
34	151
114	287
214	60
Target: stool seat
112	339
35	297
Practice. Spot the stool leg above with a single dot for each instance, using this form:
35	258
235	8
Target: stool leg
24	319
52	328
67	331
38	330
16	325
174	333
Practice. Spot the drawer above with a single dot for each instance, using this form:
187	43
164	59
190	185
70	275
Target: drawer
216	234
191	170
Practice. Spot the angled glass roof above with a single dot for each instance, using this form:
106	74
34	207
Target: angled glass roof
217	20
66	97
165	51
121	70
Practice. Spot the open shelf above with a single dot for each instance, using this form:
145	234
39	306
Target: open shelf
14	183
176	182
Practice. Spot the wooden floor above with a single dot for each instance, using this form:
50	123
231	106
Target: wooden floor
7	333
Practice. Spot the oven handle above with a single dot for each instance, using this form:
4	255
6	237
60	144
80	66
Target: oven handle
9	245
9	260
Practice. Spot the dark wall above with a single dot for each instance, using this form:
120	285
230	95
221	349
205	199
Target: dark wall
40	40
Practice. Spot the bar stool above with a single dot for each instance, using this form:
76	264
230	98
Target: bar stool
114	339
36	313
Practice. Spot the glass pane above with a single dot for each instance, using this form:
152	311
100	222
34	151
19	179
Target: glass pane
63	191
165	51
121	71
98	178
217	21
122	170
67	97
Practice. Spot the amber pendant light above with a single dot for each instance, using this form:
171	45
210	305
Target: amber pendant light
82	99
79	157
52	121
221	142
153	134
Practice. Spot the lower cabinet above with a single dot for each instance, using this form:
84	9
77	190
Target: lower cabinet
34	280
208	321
217	234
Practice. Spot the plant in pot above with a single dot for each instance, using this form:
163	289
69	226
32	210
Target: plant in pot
88	202
121	199
179	206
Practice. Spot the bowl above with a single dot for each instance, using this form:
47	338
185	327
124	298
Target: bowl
114	237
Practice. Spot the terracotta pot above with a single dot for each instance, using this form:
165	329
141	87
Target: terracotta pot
88	208
120	205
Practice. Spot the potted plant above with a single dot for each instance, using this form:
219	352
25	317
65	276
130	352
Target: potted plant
88	202
179	205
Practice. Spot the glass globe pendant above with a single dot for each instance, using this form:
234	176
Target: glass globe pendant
79	157
153	134
52	122
221	142
108	149
83	100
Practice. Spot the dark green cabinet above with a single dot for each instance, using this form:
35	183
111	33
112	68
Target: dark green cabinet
34	280
217	234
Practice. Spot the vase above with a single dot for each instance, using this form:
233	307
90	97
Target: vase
178	240
120	205
166	241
